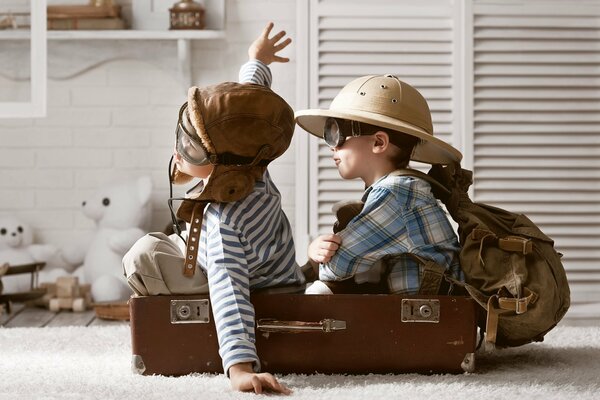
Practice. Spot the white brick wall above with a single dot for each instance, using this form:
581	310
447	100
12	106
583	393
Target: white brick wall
115	121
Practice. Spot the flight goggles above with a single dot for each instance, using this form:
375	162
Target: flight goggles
190	148
188	145
336	130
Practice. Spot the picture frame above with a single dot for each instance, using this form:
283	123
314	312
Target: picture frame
37	105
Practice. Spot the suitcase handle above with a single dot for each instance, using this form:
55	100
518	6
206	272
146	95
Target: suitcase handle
326	325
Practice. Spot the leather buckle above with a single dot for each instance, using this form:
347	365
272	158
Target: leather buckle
521	305
516	244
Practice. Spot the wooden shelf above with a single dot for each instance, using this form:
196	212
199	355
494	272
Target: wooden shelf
128	34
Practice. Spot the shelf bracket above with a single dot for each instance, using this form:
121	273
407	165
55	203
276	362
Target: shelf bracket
184	56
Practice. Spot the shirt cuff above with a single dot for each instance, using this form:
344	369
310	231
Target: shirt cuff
326	274
239	351
257	72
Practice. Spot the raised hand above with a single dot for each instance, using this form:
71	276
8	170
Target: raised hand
265	49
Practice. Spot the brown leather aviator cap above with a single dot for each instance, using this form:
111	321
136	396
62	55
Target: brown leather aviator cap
242	127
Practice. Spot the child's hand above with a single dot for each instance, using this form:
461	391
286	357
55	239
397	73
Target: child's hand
264	49
244	379
323	248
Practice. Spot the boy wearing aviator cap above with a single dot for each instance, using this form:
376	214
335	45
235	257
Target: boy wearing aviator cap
374	127
238	238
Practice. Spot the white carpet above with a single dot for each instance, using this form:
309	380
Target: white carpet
94	363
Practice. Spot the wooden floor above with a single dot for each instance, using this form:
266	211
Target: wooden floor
37	317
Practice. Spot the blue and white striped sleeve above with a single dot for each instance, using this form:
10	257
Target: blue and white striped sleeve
229	284
255	71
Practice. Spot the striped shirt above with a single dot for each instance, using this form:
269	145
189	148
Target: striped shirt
400	215
257	72
245	245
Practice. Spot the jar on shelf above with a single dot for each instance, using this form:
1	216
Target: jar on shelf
187	14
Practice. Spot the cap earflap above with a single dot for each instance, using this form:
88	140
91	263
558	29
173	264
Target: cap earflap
227	184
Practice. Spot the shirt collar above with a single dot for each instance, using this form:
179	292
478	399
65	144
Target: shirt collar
368	190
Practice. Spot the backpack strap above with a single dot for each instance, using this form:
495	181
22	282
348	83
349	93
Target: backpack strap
496	305
432	277
421	175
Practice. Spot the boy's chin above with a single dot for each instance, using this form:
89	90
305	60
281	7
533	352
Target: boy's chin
346	174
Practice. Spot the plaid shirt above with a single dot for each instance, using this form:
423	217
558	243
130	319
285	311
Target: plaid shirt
400	215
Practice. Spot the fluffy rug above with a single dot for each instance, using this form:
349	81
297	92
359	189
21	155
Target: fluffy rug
94	363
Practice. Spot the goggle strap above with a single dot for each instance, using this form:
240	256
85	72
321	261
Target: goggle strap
355	128
234	159
260	155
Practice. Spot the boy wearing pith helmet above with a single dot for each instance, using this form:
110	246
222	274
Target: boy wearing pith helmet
375	126
238	238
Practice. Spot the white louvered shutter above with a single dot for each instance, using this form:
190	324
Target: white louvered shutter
536	124
534	90
409	39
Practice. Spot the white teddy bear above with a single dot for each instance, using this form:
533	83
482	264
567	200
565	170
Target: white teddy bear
17	248
122	213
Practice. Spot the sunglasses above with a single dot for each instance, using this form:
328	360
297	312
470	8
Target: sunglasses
188	145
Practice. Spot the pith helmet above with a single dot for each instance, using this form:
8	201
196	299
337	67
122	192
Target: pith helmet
242	128
387	102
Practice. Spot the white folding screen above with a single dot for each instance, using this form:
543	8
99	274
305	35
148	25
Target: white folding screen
536	123
350	39
514	84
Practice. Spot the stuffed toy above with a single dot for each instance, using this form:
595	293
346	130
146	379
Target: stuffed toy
17	248
122	215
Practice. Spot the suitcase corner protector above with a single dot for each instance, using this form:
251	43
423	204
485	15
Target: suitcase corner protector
137	365
468	363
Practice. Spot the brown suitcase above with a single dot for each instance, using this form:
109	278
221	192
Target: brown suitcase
296	333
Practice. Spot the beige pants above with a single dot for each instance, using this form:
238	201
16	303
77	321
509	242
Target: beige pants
154	266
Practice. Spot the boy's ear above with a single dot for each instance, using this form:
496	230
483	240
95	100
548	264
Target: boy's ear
382	141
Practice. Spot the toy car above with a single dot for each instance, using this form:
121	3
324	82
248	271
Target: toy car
67	294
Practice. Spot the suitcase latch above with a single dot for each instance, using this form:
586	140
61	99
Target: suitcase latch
190	311
420	310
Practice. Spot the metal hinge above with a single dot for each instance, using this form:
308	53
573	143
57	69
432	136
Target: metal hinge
190	311
420	310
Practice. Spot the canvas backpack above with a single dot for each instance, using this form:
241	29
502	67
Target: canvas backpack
511	267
